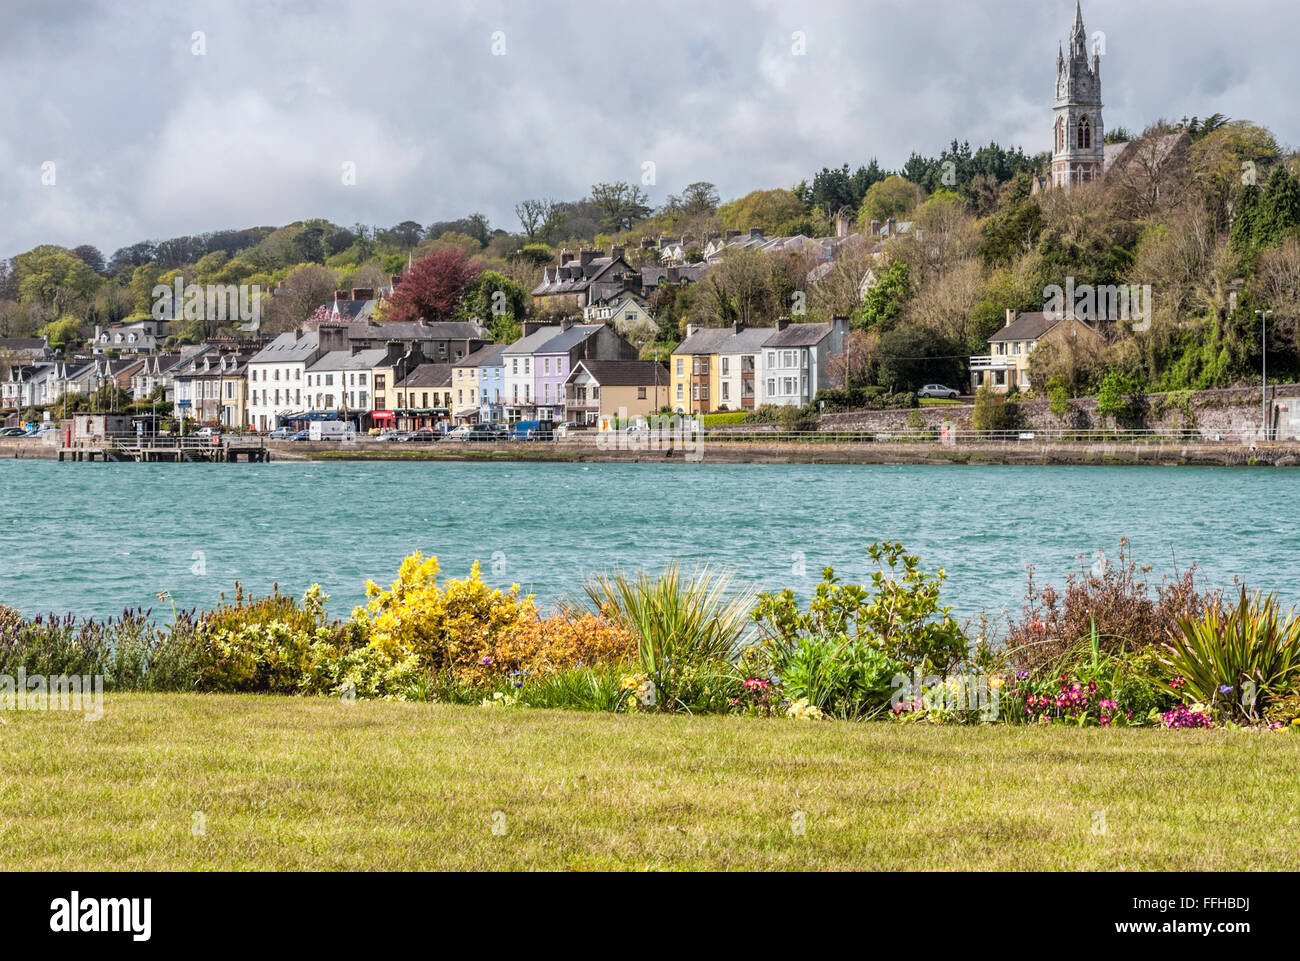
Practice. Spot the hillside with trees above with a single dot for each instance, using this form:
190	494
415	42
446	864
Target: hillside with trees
1204	212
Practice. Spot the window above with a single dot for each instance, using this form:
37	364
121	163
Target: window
460	396
679	392
1085	133
1060	134
547	363
595	392
726	365
726	390
640	393
361	379
514	365
381	381
361	396
329	380
680	368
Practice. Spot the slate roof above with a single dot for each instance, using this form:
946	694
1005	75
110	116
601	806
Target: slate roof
566	340
799	335
625	373
529	344
346	360
427	375
1026	327
286	349
489	356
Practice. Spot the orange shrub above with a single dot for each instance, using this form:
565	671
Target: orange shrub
542	645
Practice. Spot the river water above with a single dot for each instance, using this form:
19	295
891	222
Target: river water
95	538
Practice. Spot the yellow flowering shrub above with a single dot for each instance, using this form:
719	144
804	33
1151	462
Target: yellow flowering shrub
451	629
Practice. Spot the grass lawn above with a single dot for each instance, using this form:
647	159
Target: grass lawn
292	783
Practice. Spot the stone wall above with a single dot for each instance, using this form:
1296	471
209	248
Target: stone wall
1209	411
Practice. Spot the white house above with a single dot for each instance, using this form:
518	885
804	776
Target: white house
276	373
796	360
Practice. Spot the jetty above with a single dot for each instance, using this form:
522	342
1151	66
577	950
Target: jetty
169	450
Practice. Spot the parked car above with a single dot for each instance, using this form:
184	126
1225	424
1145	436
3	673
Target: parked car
425	435
457	433
12	432
532	430
301	435
40	429
939	391
281	433
390	435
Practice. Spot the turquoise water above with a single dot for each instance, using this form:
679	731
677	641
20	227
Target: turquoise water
95	538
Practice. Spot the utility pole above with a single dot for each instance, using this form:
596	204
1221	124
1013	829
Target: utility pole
1264	315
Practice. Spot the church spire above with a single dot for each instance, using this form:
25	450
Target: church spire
1079	36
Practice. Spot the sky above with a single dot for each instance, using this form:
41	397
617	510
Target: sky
131	119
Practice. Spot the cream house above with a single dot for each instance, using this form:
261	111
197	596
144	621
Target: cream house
1007	362
603	393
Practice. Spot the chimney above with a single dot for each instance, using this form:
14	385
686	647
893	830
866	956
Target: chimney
875	228
891	227
782	323
585	257
755	233
566	323
691	329
395	279
1011	317
674	275
738	326
363	293
341	295
616	252
732	235
565	257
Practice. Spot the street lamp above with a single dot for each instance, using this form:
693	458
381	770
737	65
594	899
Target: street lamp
1263	316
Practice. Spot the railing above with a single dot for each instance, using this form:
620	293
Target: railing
1243	436
989	362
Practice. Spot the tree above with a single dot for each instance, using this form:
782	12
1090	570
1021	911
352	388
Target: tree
306	287
621	204
884	300
433	286
498	303
91	257
406	235
53	279
700	197
767	210
893	197
535	216
64	333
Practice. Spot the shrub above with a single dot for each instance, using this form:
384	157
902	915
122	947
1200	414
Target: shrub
567	640
274	645
1235	661
453	630
1128	612
900	613
850	678
688	628
993	412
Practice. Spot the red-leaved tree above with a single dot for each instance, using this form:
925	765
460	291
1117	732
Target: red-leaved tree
433	286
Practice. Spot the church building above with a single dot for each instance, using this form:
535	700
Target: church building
1078	151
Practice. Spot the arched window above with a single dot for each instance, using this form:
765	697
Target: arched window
1060	134
1085	133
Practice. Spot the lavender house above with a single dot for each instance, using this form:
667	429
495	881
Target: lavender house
554	360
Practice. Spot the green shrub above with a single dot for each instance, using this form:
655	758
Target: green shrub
723	420
685	625
994	412
899	612
845	677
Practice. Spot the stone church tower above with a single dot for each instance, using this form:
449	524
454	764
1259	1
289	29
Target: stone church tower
1078	152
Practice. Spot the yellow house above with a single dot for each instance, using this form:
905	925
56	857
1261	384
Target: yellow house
606	393
695	369
465	399
1007	362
